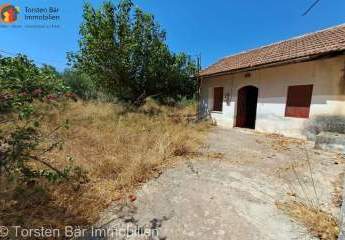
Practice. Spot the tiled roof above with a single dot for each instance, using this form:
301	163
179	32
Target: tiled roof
322	42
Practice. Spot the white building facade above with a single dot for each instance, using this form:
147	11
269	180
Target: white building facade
292	97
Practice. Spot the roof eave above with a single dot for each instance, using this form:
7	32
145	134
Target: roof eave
278	63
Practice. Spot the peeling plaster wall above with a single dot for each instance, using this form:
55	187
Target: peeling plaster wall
327	76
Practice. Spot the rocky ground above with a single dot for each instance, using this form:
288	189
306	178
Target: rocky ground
230	191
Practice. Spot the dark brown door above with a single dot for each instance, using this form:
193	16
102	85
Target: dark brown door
246	107
218	99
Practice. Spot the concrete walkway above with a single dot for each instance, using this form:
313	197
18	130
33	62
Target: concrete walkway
229	193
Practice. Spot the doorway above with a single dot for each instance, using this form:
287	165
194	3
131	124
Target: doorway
246	107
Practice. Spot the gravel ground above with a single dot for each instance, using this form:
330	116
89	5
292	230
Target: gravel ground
229	192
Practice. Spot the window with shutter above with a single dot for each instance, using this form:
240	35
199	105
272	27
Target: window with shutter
218	99
299	101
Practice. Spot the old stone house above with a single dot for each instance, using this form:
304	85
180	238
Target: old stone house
293	87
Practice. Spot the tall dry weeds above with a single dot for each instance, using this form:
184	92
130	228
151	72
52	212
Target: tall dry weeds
118	148
305	208
318	222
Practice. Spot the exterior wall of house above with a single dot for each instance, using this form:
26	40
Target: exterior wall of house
326	75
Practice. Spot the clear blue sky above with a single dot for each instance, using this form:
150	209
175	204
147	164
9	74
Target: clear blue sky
213	28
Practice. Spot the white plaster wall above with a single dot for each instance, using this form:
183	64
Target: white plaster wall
326	75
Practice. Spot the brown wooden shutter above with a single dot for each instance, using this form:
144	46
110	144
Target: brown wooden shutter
299	101
218	99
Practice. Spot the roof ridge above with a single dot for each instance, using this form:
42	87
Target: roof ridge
276	43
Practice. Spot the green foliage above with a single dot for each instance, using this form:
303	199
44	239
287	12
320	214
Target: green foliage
80	84
22	83
16	150
124	51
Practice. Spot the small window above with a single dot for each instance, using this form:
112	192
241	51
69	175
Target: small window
298	101
218	99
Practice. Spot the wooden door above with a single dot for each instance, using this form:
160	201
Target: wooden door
241	108
246	107
218	99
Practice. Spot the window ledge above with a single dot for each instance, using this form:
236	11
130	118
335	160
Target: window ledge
296	117
219	112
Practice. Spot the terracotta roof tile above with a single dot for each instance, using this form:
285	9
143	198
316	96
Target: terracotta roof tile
322	42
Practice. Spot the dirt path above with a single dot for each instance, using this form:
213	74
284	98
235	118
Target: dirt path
230	193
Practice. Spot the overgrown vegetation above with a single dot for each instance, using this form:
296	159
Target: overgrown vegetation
63	159
22	83
114	148
303	204
62	162
320	223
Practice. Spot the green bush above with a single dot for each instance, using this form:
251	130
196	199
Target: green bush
80	84
21	84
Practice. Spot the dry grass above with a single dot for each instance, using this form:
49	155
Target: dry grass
119	149
321	224
282	143
337	195
303	204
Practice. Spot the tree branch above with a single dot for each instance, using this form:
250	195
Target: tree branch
48	165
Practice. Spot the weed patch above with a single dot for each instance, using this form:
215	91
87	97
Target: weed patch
115	150
321	224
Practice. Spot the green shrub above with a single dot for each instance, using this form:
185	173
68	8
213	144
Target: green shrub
21	84
80	84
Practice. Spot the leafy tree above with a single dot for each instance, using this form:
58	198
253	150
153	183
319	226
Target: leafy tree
124	51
